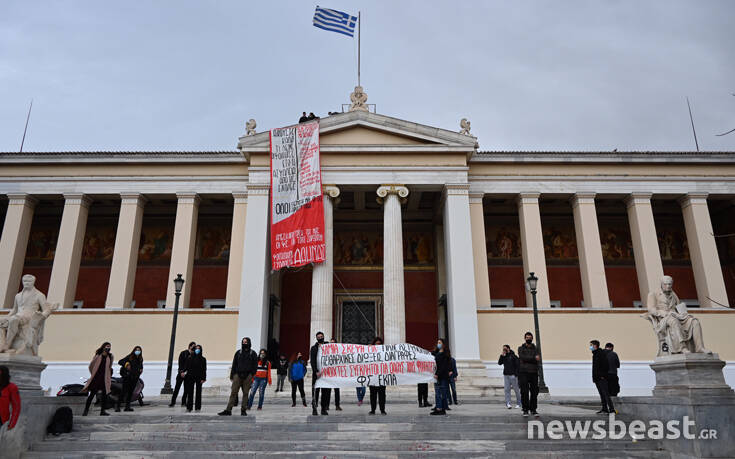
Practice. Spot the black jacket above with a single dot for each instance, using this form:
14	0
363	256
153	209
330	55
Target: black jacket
282	367
527	355
312	357
183	357
510	363
613	362
196	368
133	370
443	365
599	365
244	365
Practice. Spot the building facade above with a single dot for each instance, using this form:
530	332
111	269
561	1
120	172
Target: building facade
426	237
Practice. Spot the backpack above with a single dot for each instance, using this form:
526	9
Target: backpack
61	422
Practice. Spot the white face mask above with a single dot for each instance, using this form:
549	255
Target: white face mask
592	348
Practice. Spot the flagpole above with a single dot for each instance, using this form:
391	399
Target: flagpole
23	141
359	26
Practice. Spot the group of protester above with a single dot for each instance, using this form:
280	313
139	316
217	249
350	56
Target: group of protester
605	364
191	373
305	118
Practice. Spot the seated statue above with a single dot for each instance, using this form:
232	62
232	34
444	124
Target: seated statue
677	331
21	331
358	100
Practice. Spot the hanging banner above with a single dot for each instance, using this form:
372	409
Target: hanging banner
357	365
297	211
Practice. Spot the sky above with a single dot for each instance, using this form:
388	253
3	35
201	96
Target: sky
532	75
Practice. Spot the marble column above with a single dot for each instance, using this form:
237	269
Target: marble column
645	244
68	256
237	240
125	256
322	277
252	319
532	248
479	251
591	266
461	298
394	297
13	245
703	251
182	250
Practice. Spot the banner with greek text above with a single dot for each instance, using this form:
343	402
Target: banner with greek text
297	210
357	365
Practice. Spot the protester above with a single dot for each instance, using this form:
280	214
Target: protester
244	364
315	374
181	373
312	116
196	375
281	372
9	402
442	375
360	395
599	376
510	364
336	389
423	391
377	393
296	374
528	375
613	363
131	366
452	398
100	370
262	378
303	118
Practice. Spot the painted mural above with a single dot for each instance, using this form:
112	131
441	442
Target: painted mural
99	242
213	241
365	248
673	244
156	242
503	245
560	243
617	246
42	243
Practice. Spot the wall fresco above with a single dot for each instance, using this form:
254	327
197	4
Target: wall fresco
213	241
365	248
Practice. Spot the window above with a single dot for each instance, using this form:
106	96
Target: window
501	303
637	304
78	304
161	304
555	303
214	303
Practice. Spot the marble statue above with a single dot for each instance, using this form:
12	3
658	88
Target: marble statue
21	331
465	125
250	127
358	100
677	331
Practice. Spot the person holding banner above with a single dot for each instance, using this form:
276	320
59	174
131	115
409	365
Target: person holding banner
336	389
442	375
315	374
377	393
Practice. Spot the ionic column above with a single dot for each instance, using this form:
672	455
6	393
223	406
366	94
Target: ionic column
322	277
237	240
252	319
703	251
479	251
591	266
532	247
394	297
68	256
461	297
645	243
125	257
13	245
182	250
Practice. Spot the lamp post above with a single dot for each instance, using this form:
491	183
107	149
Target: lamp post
178	285
532	284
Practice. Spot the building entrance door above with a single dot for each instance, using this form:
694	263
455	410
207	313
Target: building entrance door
359	318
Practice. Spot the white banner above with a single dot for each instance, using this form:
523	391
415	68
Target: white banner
358	365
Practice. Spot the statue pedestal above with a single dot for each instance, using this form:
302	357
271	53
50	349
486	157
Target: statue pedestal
690	375
25	370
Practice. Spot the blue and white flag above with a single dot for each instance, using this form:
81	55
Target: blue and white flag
335	21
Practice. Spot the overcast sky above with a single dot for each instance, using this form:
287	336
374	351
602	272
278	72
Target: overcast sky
547	75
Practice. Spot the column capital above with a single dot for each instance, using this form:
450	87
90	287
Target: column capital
637	198
133	198
476	198
188	197
332	191
22	199
528	197
695	197
240	197
583	197
79	199
385	190
258	189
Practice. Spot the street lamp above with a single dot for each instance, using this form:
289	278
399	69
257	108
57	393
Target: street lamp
532	284
178	285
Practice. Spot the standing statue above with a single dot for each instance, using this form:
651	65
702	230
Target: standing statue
250	127
677	331
21	331
465	126
359	100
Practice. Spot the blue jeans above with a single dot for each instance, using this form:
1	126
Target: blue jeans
258	385
360	393
442	394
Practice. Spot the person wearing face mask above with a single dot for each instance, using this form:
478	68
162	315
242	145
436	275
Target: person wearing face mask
281	372
181	373
196	375
100	370
336	389
528	375
600	368
296	373
509	361
242	372
131	366
377	393
315	374
442	375
262	378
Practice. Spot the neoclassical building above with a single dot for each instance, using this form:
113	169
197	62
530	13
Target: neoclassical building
426	236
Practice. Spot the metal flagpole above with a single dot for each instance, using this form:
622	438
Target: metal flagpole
359	26
691	118
26	128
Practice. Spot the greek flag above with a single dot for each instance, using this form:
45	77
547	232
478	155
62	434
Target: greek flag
335	21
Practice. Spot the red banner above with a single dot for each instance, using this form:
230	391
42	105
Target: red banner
297	211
